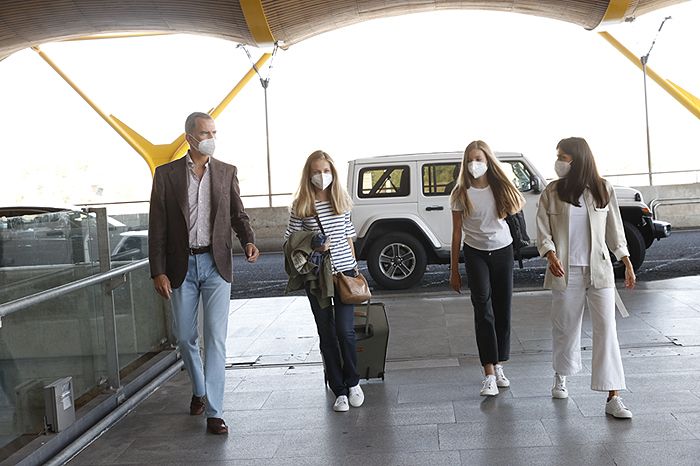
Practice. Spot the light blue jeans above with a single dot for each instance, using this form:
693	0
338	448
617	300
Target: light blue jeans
203	280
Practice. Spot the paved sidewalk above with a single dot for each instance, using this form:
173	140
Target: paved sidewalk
428	410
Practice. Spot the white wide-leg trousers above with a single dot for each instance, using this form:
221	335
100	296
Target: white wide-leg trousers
567	315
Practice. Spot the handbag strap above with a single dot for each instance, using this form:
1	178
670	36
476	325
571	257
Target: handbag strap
320	225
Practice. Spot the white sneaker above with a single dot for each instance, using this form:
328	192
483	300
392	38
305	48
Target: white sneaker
489	387
356	396
501	380
616	408
559	389
341	404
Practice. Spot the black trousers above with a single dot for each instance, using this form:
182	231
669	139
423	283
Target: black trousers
490	278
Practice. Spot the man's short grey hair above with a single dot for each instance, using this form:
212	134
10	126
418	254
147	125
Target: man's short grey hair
192	119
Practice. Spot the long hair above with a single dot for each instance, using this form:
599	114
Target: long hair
582	174
304	205
508	198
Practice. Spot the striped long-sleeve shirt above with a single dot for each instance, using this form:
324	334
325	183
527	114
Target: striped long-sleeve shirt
338	227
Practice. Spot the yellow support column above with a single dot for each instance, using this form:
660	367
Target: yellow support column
157	155
688	100
153	154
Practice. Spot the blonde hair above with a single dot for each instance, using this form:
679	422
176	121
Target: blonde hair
304	205
508	198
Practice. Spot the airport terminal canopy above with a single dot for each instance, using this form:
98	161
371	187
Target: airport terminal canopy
26	23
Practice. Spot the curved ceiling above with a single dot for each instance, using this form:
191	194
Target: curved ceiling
26	23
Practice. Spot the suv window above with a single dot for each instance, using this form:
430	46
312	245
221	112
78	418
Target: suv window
518	173
384	182
439	178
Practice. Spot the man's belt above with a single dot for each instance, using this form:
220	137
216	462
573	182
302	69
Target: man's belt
200	250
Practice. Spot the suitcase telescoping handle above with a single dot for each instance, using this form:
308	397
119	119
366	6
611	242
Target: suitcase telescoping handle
364	314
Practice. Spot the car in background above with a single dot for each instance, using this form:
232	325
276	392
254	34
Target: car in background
401	212
132	245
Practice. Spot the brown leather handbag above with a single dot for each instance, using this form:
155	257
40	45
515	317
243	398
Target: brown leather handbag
352	290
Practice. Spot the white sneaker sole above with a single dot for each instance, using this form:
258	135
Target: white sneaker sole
559	395
503	383
623	415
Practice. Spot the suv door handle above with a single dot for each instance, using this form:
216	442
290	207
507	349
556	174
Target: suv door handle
434	207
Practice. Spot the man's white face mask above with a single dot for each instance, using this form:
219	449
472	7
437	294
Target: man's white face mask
322	180
206	146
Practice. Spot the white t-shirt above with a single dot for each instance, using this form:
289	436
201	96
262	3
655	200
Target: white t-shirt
483	230
579	235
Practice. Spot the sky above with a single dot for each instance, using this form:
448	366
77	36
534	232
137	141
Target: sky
422	82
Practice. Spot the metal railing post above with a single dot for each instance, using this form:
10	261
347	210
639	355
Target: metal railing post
108	312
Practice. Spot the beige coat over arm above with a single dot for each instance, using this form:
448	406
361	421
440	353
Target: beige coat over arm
607	234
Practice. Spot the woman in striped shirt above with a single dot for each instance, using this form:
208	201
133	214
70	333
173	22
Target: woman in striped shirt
322	199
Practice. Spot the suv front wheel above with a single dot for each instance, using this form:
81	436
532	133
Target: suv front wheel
396	261
636	246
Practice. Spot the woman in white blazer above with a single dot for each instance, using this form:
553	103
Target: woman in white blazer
578	223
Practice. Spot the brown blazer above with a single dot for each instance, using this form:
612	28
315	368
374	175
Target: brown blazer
168	236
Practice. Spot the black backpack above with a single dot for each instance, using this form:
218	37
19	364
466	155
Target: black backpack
518	231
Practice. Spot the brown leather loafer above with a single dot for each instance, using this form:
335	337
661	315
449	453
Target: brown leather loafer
216	426
197	405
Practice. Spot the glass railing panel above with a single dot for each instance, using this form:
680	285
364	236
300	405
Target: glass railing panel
65	335
39	251
42	343
140	317
18	282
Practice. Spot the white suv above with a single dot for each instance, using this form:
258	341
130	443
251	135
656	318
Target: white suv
403	220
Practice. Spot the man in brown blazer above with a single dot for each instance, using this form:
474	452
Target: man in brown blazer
195	203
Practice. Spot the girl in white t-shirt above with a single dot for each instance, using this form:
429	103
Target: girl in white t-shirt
480	201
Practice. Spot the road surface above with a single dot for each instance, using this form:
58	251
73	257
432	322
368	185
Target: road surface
675	256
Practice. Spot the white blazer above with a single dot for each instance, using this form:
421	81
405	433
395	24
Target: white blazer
607	234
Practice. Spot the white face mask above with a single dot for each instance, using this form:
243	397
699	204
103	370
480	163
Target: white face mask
562	168
206	146
322	180
477	169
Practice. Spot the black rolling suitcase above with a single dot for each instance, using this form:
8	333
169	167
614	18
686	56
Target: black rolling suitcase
372	333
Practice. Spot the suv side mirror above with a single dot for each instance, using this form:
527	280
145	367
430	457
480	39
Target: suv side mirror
535	185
